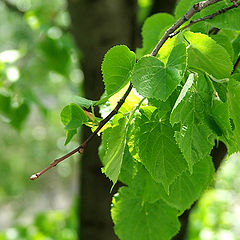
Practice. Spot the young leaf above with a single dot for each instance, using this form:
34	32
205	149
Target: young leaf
206	55
115	141
116	68
84	102
136	219
70	134
154	80
194	135
73	116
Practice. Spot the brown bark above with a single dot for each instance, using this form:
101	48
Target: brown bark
97	25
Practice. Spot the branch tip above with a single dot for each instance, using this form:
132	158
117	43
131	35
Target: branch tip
34	176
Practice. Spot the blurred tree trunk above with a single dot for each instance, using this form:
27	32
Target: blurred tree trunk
163	6
97	25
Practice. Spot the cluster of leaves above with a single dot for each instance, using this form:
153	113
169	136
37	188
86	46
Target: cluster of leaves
160	146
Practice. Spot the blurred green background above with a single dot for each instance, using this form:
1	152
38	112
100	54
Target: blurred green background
34	87
39	75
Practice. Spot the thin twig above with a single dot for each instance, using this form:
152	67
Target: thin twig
196	8
221	11
81	148
236	65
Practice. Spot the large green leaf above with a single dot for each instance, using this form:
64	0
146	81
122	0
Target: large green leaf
194	135
186	189
136	219
154	142
114	141
153	79
206	55
225	41
73	116
116	68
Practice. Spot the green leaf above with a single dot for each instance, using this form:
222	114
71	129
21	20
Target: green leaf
19	115
154	80
73	116
220	113
84	102
153	29
5	104
186	189
234	109
136	219
144	186
114	140
189	109
154	142
128	167
225	42
70	134
206	55
56	53
116	68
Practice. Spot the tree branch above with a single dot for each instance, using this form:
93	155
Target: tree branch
221	11
81	148
196	8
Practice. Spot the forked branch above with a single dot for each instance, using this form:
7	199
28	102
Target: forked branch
196	8
211	16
